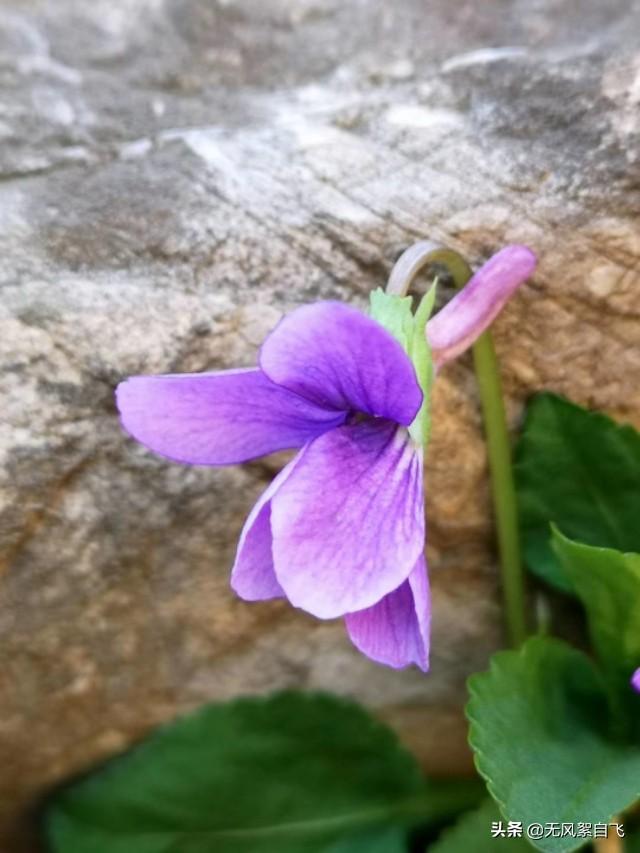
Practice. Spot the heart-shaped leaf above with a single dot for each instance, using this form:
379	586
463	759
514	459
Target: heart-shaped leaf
541	730
473	831
293	773
390	839
608	584
580	470
632	842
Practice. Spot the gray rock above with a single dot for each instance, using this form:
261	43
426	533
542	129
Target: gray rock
176	174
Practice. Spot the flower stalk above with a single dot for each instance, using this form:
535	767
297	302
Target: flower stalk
502	486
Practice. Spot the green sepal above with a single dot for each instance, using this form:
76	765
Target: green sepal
394	313
420	355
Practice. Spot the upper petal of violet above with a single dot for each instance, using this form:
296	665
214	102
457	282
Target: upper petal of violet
635	680
336	356
395	631
348	523
453	329
218	418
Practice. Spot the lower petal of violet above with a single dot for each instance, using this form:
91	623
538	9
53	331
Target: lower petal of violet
348	523
253	577
395	631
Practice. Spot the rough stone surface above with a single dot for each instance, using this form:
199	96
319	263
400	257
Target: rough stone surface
174	175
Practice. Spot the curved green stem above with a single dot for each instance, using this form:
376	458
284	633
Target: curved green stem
426	254
502	486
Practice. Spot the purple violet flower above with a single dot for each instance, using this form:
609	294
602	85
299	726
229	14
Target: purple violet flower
340	532
635	680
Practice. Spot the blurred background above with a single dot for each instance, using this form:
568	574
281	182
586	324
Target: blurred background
176	174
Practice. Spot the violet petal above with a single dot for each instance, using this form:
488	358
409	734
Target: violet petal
340	358
253	577
395	631
635	680
348	524
453	329
218	418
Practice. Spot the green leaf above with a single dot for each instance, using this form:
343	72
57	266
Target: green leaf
608	584
473	832
540	730
391	839
632	842
292	773
580	470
